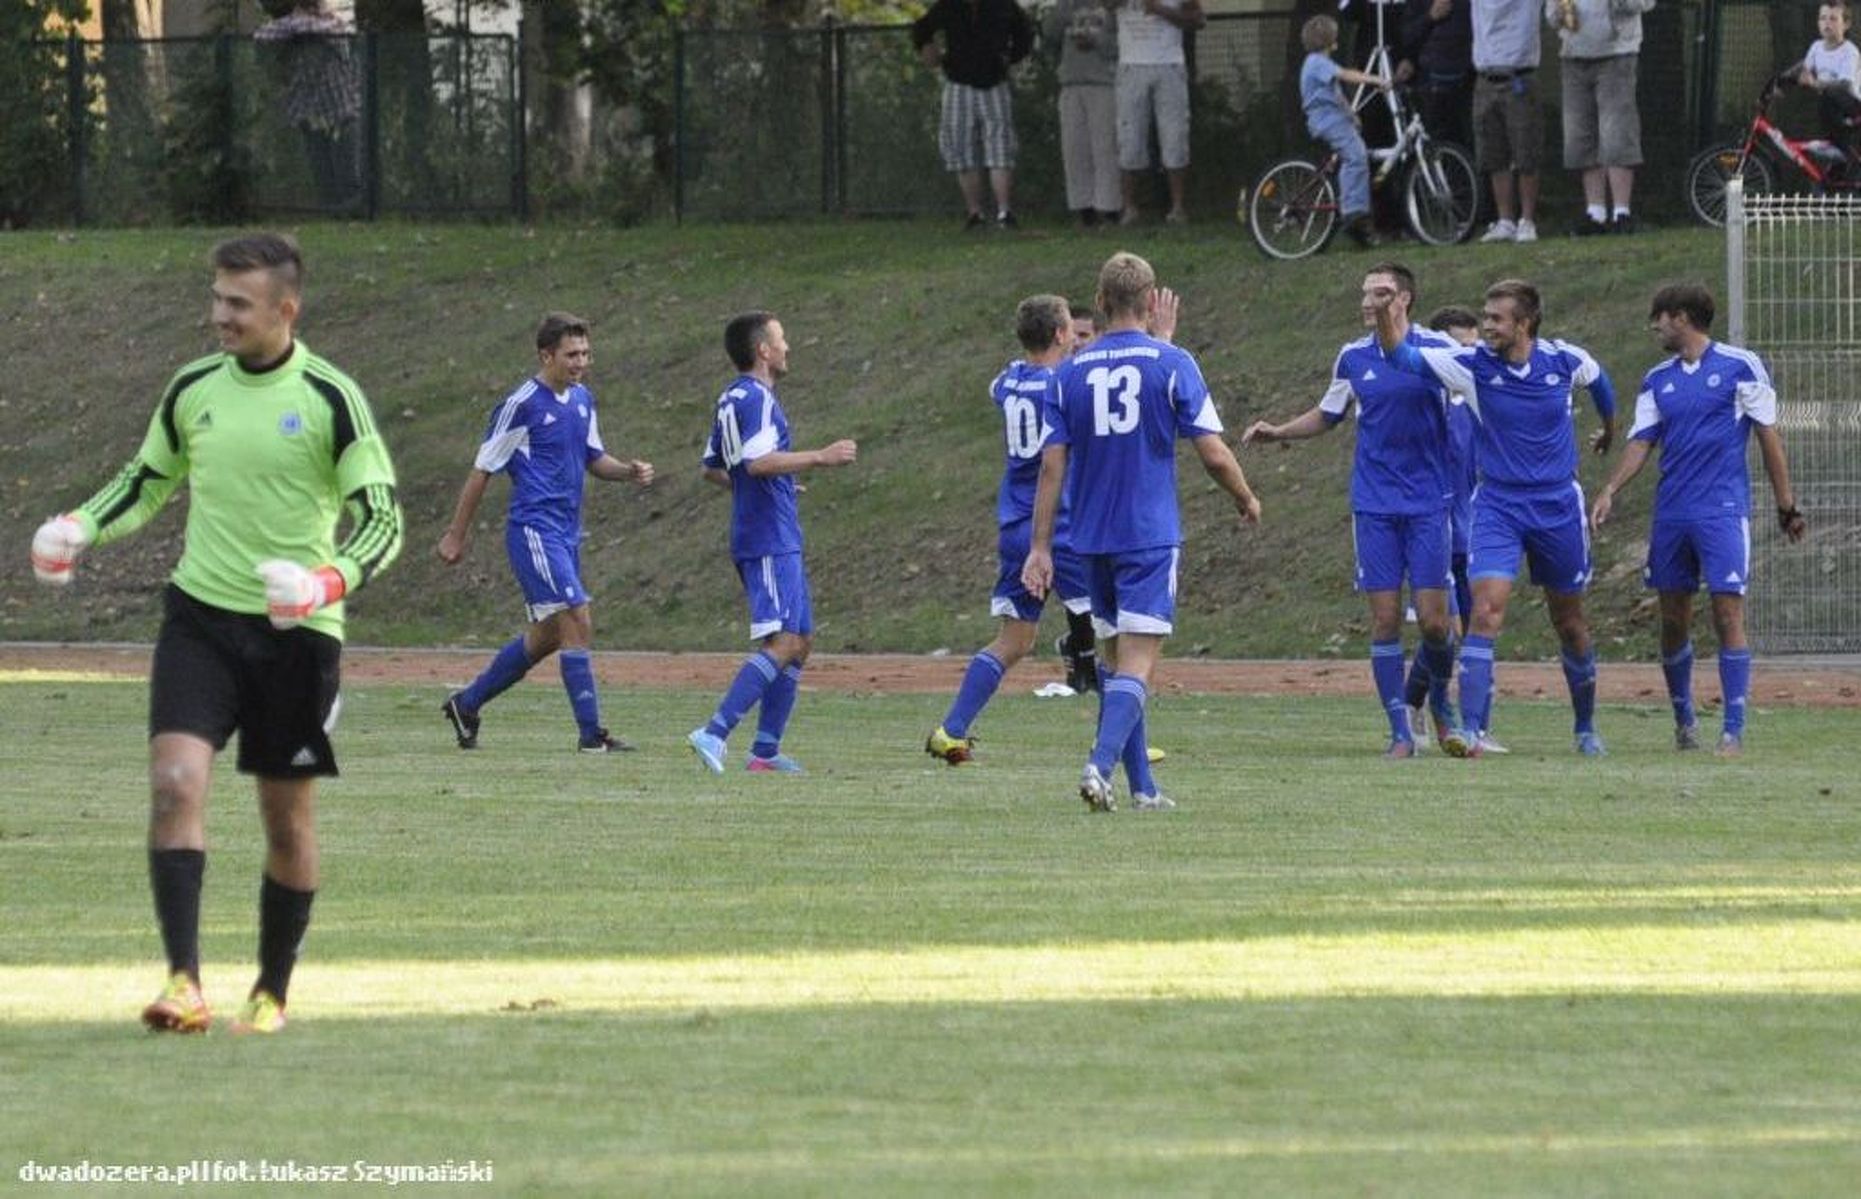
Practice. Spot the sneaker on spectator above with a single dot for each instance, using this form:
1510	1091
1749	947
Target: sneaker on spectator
1589	226
1501	230
1624	222
1525	231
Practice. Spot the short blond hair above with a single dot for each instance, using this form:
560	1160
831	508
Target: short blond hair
1318	34
1125	284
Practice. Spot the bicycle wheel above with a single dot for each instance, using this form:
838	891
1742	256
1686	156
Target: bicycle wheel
1442	194
1708	173
1293	210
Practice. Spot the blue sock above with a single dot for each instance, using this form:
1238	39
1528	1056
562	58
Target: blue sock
1386	668
508	665
1678	667
1735	684
759	670
1122	709
1580	676
772	719
578	681
1476	681
1437	658
979	683
1136	758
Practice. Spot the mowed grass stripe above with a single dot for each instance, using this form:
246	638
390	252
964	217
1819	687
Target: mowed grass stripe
1788	957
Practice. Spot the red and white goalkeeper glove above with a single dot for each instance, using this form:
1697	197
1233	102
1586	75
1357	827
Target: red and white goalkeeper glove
293	592
55	549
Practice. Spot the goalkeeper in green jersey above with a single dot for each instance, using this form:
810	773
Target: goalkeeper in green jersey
276	445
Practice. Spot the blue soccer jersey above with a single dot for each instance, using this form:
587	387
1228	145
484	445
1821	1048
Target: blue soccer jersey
1700	415
1463	475
1020	392
763	516
545	442
1119	407
1401	462
1526	437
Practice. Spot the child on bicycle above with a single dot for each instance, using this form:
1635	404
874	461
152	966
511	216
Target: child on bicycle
1329	117
1832	67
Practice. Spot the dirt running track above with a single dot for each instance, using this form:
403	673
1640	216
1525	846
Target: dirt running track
1824	682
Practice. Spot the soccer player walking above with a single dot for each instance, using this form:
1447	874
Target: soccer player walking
1043	325
545	435
1520	388
1401	499
1112	421
1700	407
748	452
275	445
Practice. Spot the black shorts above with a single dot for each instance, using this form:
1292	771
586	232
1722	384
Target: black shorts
216	671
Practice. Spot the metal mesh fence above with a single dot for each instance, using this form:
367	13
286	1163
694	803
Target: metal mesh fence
207	128
1795	269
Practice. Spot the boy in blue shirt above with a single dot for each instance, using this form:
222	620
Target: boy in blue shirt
748	452
1329	118
1701	407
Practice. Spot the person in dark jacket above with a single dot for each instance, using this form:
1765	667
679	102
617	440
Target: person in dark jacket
981	40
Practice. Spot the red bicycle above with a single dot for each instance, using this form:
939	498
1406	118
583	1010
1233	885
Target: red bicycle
1764	156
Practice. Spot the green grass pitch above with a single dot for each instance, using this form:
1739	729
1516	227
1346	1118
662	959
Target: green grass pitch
1324	974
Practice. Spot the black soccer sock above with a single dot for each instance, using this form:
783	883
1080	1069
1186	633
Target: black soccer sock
175	876
283	916
1079	636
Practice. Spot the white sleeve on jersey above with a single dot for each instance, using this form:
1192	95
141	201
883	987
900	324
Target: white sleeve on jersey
596	449
1647	415
1758	400
1338	399
508	434
767	437
1587	369
1452	366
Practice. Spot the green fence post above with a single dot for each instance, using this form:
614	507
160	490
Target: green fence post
678	126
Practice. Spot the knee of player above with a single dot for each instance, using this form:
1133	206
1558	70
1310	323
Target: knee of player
175	786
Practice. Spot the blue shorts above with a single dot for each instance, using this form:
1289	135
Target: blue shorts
1011	599
1680	552
548	569
1549	527
1133	592
1389	546
777	587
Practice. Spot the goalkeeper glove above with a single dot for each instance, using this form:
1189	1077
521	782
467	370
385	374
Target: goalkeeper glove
55	549
293	592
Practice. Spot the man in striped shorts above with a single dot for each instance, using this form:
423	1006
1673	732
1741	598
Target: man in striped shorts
975	132
545	436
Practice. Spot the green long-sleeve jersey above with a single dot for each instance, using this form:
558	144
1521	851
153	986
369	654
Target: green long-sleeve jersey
271	460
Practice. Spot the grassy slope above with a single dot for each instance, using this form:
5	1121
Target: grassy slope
1629	976
896	328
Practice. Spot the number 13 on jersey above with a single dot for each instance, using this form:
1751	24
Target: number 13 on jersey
1114	385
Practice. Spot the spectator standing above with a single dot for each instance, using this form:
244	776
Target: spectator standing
1832	66
975	131
1153	88
322	97
1602	126
1508	127
1088	43
1436	56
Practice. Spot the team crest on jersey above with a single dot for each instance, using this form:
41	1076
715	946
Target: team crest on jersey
290	424
1552	380
1712	380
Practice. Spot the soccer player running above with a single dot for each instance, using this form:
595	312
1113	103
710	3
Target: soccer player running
1520	388
1701	406
1044	327
545	435
1110	431
748	452
275	445
1401	493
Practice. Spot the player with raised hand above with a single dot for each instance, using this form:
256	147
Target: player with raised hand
1520	389
748	453
275	445
1701	407
547	437
1401	496
1111	426
1043	326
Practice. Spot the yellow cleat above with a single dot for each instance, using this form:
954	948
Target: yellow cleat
944	747
179	1008
1153	755
261	1014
